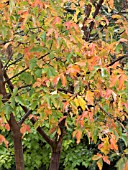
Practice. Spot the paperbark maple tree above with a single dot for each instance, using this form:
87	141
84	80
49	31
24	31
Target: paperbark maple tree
58	72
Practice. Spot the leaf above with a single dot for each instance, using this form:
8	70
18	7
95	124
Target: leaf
82	102
78	136
113	143
7	127
2	139
8	110
100	164
121	163
20	100
104	146
25	128
126	166
90	97
96	157
56	80
73	70
63	79
11	5
43	36
105	159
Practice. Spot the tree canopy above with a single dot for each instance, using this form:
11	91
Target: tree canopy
64	68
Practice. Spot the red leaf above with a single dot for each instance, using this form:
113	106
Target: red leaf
25	128
2	139
105	158
7	127
56	80
108	93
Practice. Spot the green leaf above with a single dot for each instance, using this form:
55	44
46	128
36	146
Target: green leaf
15	91
20	100
36	49
125	139
8	110
43	36
33	63
38	73
121	163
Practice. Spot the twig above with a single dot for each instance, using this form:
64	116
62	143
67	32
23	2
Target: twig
118	59
94	15
112	117
24	69
43	134
17	74
24	117
21	87
14	62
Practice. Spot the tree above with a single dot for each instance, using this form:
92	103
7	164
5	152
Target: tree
64	67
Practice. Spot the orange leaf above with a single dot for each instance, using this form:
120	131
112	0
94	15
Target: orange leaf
100	164
90	97
73	70
64	80
56	80
105	158
121	82
25	128
2	139
78	136
113	142
126	166
91	116
7	127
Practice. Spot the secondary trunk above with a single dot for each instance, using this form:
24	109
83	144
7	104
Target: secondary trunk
55	159
17	138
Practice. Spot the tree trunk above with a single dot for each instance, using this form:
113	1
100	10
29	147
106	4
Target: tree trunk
55	159
17	138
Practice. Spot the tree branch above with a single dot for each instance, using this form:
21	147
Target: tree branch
94	15
118	59
17	74
24	69
112	117
24	117
43	134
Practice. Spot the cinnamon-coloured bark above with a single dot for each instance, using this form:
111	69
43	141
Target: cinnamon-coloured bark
87	31
15	128
2	84
17	138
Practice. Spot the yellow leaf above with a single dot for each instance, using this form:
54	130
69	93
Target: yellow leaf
59	131
100	164
76	102
104	147
82	102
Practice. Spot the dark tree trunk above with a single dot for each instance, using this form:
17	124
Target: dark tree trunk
55	159
57	146
17	138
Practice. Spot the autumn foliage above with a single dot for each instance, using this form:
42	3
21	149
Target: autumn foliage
63	64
